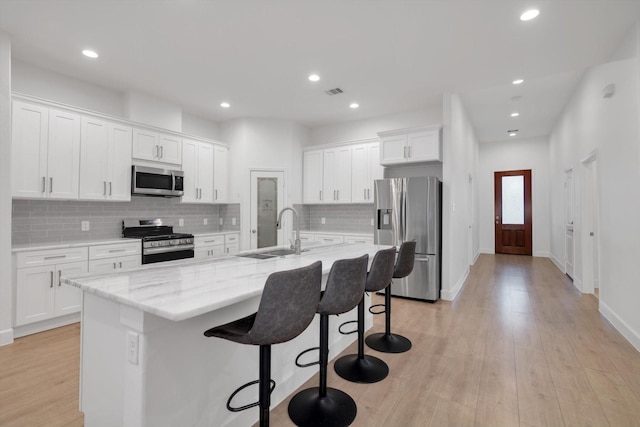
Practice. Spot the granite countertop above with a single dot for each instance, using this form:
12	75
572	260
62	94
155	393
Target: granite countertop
72	244
180	290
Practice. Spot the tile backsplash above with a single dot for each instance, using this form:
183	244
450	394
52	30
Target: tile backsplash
57	221
339	218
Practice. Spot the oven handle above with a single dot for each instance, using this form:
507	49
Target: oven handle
164	249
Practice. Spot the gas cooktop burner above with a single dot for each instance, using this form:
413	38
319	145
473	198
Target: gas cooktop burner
167	236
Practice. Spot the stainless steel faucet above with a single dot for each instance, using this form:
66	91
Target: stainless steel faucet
296	245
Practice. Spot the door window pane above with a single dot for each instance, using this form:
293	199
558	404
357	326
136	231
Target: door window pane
267	212
513	199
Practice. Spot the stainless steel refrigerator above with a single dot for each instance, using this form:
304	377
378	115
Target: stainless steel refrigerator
411	209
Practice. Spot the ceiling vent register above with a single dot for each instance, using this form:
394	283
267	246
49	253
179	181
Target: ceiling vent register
336	91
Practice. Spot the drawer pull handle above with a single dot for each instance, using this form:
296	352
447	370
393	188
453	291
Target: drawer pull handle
55	257
116	250
211	241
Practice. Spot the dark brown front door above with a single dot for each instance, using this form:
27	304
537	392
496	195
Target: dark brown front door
513	212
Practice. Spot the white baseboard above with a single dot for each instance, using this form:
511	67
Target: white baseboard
451	294
44	325
578	284
487	251
557	262
632	336
541	254
6	337
475	257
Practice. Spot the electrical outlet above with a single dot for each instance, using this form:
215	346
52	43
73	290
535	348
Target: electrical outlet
132	347
372	221
85	225
181	222
233	221
206	221
323	220
221	221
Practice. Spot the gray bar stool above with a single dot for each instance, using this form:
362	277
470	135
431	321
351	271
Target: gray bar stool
287	306
387	342
326	406
364	368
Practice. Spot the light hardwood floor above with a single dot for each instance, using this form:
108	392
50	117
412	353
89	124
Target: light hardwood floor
519	347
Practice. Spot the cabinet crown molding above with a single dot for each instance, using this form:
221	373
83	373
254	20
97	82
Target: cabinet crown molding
409	130
48	103
341	144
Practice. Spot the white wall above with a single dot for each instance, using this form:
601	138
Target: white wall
263	144
459	209
609	126
53	86
150	110
6	286
199	126
369	128
515	155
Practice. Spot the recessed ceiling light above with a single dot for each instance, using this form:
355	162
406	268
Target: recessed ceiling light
529	14
512	134
518	81
354	105
314	77
515	114
89	53
225	105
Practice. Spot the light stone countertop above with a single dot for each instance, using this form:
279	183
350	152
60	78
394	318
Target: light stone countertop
72	244
179	290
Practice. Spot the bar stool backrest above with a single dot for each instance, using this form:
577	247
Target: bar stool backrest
288	304
406	258
345	285
381	271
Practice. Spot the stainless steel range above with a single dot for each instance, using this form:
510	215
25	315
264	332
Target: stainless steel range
159	242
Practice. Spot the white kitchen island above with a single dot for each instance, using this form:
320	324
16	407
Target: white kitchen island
145	360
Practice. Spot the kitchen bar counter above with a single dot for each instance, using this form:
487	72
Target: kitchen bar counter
145	360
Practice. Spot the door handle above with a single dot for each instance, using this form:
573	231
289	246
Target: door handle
253	231
156	151
104	188
114	266
120	264
59	278
320	195
110	187
44	184
216	194
161	151
51	279
50	184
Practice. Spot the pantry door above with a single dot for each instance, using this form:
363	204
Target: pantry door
267	199
513	223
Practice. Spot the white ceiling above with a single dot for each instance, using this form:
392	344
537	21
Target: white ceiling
389	56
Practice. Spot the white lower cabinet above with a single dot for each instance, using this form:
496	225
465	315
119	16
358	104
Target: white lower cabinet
329	238
39	293
108	258
363	239
231	243
216	245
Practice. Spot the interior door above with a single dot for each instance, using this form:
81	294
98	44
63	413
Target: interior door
513	219
569	196
267	200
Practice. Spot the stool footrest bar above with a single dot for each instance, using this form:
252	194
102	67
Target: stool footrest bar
306	365
345	324
371	308
251	405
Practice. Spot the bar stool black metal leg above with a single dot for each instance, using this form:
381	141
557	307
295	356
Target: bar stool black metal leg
361	368
264	395
387	342
322	406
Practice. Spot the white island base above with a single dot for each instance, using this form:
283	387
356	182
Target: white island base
139	369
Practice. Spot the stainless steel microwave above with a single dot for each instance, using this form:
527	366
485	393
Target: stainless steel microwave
156	182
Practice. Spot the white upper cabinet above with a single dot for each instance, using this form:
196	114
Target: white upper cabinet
220	174
157	147
336	174
365	161
45	152
197	164
312	176
105	160
411	146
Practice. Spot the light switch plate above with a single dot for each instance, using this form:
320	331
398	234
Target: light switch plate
132	347
85	226
233	221
221	221
206	221
323	220
181	222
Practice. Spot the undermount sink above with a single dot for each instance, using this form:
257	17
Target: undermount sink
274	253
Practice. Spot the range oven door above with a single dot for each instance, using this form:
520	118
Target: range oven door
151	255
